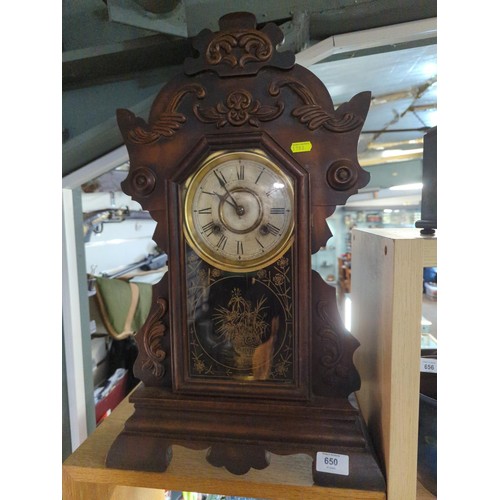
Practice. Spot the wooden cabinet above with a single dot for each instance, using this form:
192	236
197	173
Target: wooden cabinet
386	293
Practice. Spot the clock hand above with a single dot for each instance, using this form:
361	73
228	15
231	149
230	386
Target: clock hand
239	209
222	198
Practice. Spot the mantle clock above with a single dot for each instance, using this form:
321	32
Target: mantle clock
243	352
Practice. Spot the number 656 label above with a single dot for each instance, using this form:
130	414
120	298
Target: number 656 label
332	463
428	365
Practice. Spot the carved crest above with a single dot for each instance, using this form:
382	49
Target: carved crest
238	48
240	108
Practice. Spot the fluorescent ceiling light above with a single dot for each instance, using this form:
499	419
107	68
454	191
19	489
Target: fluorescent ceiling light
407	187
368	39
430	69
381	146
398	152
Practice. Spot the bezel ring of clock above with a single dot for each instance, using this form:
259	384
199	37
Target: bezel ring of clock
342	175
234	203
143	181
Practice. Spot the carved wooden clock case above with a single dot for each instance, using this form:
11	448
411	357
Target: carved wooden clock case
244	352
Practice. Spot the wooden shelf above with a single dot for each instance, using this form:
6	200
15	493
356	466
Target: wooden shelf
386	295
387	276
86	476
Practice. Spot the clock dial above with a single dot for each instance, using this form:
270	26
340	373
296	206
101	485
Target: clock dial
239	211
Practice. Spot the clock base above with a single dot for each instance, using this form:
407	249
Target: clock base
241	435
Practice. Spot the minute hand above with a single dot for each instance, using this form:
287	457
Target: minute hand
235	203
223	198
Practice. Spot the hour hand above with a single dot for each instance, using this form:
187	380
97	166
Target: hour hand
234	202
237	208
226	199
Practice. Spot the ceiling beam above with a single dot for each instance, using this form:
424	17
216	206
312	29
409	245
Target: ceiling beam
97	141
97	65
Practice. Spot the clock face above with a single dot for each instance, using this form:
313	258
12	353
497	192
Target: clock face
239	211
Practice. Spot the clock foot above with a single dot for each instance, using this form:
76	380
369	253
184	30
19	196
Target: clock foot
132	452
323	429
238	459
353	469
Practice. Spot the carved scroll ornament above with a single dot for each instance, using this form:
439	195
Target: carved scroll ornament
238	49
312	114
169	121
331	347
153	333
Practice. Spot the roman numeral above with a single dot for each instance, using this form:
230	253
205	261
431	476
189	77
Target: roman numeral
239	247
241	172
258	178
221	244
273	229
261	245
208	228
206	211
275	211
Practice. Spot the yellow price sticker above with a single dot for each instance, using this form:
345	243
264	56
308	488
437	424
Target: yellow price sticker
301	147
